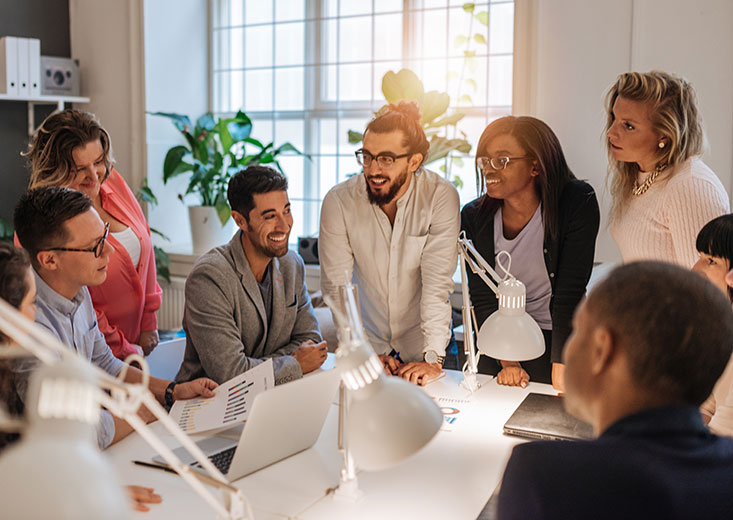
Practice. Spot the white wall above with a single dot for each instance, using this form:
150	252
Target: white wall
176	80
580	46
106	38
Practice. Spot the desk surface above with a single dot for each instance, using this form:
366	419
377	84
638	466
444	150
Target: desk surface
452	477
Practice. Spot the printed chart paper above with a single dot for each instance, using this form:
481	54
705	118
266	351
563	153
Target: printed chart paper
229	406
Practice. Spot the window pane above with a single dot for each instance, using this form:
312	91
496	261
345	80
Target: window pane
235	48
258	11
289	10
433	75
380	69
388	44
435	34
259	46
330	8
355	39
292	165
327	136
434	3
328	174
289	43
384	6
258	90
352	7
500	90
230	87
289	89
330	83
346	124
221	49
236	13
296	208
347	167
262	131
289	130
501	21
459	23
355	81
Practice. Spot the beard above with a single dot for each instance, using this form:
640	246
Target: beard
385	198
272	250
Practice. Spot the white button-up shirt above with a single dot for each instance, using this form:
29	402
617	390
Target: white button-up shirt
403	272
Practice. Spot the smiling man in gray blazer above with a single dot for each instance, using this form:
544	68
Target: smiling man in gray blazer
246	301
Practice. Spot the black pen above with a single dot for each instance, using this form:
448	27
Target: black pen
153	465
206	479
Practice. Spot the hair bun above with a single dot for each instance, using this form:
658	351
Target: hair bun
409	108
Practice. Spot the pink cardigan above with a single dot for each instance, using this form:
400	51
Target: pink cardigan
126	302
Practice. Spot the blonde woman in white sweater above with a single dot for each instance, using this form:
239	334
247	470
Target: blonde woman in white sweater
662	192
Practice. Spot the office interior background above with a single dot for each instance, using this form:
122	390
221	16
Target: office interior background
307	71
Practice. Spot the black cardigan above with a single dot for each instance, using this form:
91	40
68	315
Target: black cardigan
568	257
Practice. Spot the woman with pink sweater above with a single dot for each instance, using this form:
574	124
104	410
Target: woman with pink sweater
72	149
662	192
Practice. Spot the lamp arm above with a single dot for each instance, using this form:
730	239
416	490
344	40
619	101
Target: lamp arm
124	402
477	263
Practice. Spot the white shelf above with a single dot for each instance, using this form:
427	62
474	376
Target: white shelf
32	101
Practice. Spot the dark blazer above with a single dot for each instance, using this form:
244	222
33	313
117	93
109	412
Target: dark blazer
568	257
660	463
227	331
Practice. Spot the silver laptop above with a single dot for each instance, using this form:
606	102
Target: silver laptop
544	417
283	421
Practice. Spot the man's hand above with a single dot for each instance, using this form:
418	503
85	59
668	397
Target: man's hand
202	386
148	341
558	377
512	375
390	363
420	372
141	496
310	355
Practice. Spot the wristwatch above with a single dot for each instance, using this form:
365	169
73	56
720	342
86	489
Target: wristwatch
430	356
169	394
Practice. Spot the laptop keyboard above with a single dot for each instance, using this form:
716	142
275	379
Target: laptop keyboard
221	460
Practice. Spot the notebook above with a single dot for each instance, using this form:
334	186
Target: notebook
542	416
283	421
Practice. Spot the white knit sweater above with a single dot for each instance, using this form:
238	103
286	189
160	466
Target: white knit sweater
663	223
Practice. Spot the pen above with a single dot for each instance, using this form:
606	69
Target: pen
152	465
206	479
396	355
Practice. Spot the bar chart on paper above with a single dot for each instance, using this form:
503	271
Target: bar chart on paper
229	406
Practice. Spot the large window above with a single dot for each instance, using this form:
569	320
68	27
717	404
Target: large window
307	71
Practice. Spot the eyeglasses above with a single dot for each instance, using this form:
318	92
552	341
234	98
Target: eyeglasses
97	249
385	160
497	163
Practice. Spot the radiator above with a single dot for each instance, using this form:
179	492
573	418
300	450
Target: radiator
170	314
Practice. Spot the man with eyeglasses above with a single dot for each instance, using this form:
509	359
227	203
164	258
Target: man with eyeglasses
67	243
392	230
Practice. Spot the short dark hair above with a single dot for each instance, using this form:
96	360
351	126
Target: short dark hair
716	239
250	181
676	329
404	116
14	265
40	216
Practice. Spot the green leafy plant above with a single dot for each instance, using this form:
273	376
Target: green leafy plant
405	85
215	150
6	231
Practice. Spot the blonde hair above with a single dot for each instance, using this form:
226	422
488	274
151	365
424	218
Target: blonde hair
673	111
50	151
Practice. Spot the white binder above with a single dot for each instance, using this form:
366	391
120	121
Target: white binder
34	66
24	89
9	65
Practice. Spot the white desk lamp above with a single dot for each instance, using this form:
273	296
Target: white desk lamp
510	333
383	419
57	471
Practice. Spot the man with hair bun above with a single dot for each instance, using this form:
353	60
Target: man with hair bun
647	346
392	230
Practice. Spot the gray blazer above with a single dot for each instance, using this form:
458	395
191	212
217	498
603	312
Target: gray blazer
225	322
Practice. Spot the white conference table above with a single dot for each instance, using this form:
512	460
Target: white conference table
452	477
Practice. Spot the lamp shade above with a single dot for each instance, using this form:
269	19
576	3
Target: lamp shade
510	333
56	470
389	420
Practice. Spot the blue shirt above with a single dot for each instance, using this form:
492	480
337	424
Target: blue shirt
74	323
659	463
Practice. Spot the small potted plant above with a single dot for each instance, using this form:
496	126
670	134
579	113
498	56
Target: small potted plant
215	150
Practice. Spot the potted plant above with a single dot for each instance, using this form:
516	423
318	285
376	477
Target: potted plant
215	150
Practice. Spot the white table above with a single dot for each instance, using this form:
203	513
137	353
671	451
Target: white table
452	477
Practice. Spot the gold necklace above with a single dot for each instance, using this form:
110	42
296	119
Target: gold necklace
640	189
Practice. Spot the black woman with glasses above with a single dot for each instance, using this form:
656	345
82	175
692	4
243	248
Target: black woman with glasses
531	205
71	149
66	241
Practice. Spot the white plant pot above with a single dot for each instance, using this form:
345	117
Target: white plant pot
206	229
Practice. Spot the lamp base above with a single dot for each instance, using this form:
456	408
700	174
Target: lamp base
348	490
470	382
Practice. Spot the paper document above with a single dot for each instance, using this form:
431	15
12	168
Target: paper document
231	404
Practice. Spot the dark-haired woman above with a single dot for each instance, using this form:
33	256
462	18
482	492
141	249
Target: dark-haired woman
532	206
715	247
71	149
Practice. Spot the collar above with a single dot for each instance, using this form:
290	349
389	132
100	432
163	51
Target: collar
658	422
240	259
54	300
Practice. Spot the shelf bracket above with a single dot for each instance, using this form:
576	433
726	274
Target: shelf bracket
32	113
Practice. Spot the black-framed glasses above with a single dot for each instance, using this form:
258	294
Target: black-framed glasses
385	160
497	163
97	249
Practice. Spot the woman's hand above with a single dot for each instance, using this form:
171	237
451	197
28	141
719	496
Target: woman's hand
512	374
141	496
